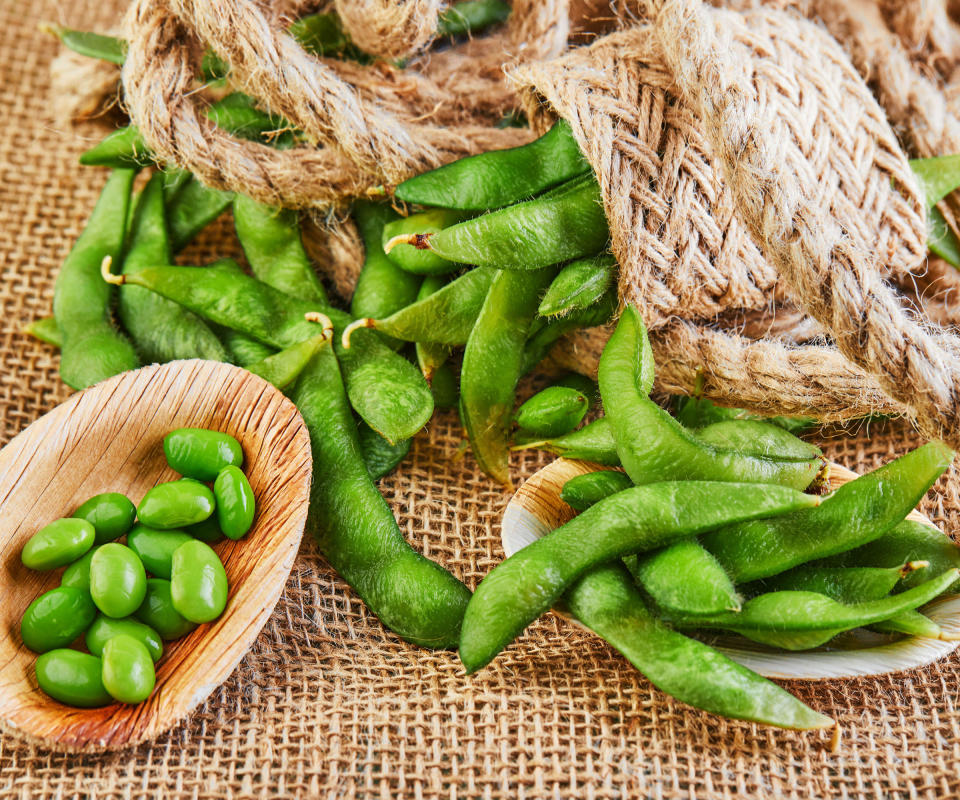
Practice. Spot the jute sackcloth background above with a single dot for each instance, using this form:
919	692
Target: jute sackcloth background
327	703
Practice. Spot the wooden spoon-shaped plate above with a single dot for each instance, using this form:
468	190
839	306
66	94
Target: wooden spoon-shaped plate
536	509
109	439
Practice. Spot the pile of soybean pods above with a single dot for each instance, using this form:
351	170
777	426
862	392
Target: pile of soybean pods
105	592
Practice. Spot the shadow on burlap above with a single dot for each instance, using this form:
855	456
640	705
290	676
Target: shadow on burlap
327	703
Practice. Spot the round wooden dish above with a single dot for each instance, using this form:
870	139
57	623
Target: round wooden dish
536	509
109	438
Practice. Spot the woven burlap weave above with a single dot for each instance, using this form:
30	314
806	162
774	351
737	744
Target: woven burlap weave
328	704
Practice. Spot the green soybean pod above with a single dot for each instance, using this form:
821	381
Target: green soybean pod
45	329
579	285
911	623
158	612
445	385
606	601
193	208
758	438
128	673
471	16
73	678
155	548
499	177
57	544
586	490
380	456
553	411
56	618
104	628
566	223
207	531
586	386
111	515
593	442
322	34
238	113
123	148
200	453
118	582
77	574
548	331
282	369
410	257
176	504
236	504
87	43
431	355
198	582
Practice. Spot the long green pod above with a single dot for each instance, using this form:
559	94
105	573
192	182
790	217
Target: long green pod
856	513
499	177
355	529
87	43
92	348
643	518
191	209
563	224
445	317
698	412
160	329
798	620
271	240
492	362
579	285
606	601
283	368
123	148
758	438
911	623
651	444
545	334
430	355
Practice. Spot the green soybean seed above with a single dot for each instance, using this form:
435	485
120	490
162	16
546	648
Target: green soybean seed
111	515
499	177
118	582
412	258
578	285
105	628
57	544
200	453
198	582
155	548
236	505
77	574
552	412
380	456
606	601
158	612
207	531
643	518
56	618
586	490
561	225
176	504
73	678
128	673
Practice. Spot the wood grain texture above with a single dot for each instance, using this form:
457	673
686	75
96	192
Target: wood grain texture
109	438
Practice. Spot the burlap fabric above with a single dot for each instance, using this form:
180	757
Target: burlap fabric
330	705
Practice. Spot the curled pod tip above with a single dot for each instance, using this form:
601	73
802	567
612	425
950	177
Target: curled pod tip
419	240
363	322
323	320
108	276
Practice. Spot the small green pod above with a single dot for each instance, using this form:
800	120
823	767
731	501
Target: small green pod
45	329
58	544
193	208
105	628
236	504
73	678
380	456
77	574
445	385
471	16
198	582
912	623
123	148
552	412
111	515
200	453
207	531
128	673
155	548
431	355
176	504
118	582
414	259
578	285
158	612
592	442
586	490
56	618
586	386
87	43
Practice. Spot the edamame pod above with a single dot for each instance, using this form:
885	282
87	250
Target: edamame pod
56	618
430	355
123	148
586	490
104	628
57	544
155	548
158	612
128	673
355	529
593	442
45	329
193	208
445	385
553	411
606	602
549	331
651	444
380	456
235	502
238	113
73	678
408	256
856	513
579	285
758	438
175	504
200	453
471	16
698	412
111	515
198	582
566	223
92	348
322	34
911	623
282	369
118	582
87	43
499	177
643	518
586	386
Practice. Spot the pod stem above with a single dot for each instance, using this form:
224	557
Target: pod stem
108	276
419	240
912	566
363	322
530	445
321	319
